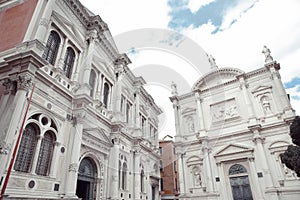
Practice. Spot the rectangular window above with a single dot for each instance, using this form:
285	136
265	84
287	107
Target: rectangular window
175	168
128	111
122	104
161	167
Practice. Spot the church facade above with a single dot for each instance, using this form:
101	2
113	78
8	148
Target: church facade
230	130
75	121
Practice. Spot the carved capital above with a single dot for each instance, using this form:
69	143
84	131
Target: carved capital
197	96
92	35
4	148
24	82
136	149
44	22
73	167
9	86
258	139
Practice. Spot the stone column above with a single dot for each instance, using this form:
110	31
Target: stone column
61	54
176	108
137	173
137	108
92	37
182	184
201	127
36	155
15	113
262	160
223	188
77	65
46	8
74	154
256	189
273	67
206	163
54	166
249	106
8	84
116	99
114	168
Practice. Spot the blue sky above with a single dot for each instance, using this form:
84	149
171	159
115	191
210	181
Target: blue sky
182	16
233	31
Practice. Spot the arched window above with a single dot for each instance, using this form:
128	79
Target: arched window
52	46
124	176
69	62
142	180
45	154
105	94
92	82
26	149
120	174
237	169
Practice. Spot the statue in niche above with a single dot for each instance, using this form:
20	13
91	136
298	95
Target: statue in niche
190	124
265	105
196	176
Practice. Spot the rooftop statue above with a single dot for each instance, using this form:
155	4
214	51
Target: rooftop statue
174	88
266	51
212	62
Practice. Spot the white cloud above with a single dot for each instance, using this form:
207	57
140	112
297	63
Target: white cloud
195	5
122	16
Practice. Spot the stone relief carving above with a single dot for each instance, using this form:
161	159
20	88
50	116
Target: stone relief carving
224	110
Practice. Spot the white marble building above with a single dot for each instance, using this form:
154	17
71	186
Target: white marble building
90	130
230	130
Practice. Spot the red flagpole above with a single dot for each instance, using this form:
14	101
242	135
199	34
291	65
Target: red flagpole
16	147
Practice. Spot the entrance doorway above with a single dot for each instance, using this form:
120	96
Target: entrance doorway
239	182
86	180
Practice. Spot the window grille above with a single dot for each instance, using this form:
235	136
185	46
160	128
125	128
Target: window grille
92	82
237	169
45	154
124	176
69	62
52	46
26	149
105	94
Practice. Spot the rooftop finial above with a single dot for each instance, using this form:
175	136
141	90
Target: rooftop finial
212	62
266	51
174	89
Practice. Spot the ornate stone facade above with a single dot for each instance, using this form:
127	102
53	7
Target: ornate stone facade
230	130
90	130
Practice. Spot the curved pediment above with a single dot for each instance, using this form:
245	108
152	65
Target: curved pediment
217	77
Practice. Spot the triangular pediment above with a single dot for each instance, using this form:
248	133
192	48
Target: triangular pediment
233	149
97	134
66	24
261	88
